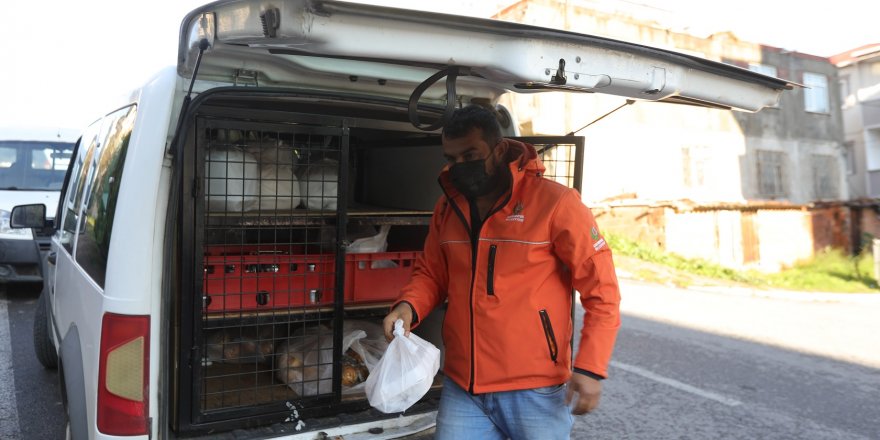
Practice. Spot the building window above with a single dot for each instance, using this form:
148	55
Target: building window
872	149
771	173
825	177
850	157
694	161
763	69
816	95
844	89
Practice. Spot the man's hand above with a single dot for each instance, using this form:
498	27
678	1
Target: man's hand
585	390
401	311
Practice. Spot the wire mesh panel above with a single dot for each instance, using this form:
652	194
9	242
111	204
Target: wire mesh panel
562	157
267	243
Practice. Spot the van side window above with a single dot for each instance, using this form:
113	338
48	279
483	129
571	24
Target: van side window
93	244
8	156
73	199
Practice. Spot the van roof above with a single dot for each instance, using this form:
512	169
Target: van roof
46	134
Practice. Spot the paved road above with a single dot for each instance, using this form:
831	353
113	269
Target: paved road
731	365
30	399
688	365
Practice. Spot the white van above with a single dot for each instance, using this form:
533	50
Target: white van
231	236
33	162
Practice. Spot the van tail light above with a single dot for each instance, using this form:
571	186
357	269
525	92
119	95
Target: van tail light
123	375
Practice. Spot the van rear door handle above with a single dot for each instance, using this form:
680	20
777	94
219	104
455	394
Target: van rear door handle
51	258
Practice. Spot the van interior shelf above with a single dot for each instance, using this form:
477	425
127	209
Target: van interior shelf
308	314
367	215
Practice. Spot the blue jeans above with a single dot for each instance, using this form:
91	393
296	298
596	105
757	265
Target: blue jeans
539	413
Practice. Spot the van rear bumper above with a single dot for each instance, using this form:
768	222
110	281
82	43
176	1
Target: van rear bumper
19	261
405	426
417	422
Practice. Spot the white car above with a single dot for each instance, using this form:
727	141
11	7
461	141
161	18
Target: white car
32	167
230	237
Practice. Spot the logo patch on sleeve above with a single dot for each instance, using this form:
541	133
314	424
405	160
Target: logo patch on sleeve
598	242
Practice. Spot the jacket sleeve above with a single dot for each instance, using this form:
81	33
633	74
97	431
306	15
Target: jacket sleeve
577	242
428	286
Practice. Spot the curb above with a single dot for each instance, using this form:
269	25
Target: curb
793	295
787	295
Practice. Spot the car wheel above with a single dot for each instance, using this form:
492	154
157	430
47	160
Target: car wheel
43	346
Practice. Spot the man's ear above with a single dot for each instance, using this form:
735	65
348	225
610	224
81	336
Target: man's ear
501	149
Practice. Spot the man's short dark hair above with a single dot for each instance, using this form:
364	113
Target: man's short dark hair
467	118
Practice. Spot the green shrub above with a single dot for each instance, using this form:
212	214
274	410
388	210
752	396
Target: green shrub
827	271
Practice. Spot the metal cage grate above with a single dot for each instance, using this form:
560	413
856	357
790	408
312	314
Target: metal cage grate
562	156
268	246
275	269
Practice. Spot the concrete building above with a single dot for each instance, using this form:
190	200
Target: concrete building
744	190
859	73
859	76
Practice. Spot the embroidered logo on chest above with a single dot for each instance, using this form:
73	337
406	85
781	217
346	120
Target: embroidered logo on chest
517	215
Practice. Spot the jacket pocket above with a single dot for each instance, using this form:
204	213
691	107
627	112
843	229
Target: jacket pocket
549	391
490	272
548	333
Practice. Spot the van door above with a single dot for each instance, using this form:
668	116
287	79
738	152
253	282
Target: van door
81	247
60	261
334	45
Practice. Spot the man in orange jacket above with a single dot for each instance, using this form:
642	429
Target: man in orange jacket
504	249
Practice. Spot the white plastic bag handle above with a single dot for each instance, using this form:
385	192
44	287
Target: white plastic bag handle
408	343
398	327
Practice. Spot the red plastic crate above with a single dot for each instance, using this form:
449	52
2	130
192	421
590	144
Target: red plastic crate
243	278
249	278
253	249
377	277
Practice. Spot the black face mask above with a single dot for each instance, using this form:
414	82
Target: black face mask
472	180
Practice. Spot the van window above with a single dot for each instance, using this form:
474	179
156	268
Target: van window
33	165
93	243
7	157
77	182
54	158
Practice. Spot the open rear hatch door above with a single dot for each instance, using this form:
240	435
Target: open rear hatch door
341	46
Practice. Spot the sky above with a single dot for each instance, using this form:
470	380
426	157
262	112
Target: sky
66	61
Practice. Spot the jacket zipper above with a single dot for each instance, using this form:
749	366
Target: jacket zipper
490	271
475	240
548	333
473	273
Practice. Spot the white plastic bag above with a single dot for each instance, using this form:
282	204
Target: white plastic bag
232	179
319	185
371	244
404	374
279	189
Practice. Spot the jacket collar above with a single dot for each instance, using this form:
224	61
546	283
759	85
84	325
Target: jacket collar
522	159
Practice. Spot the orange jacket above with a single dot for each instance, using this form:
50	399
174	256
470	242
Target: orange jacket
508	324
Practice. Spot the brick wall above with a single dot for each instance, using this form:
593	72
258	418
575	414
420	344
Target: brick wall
642	223
832	229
